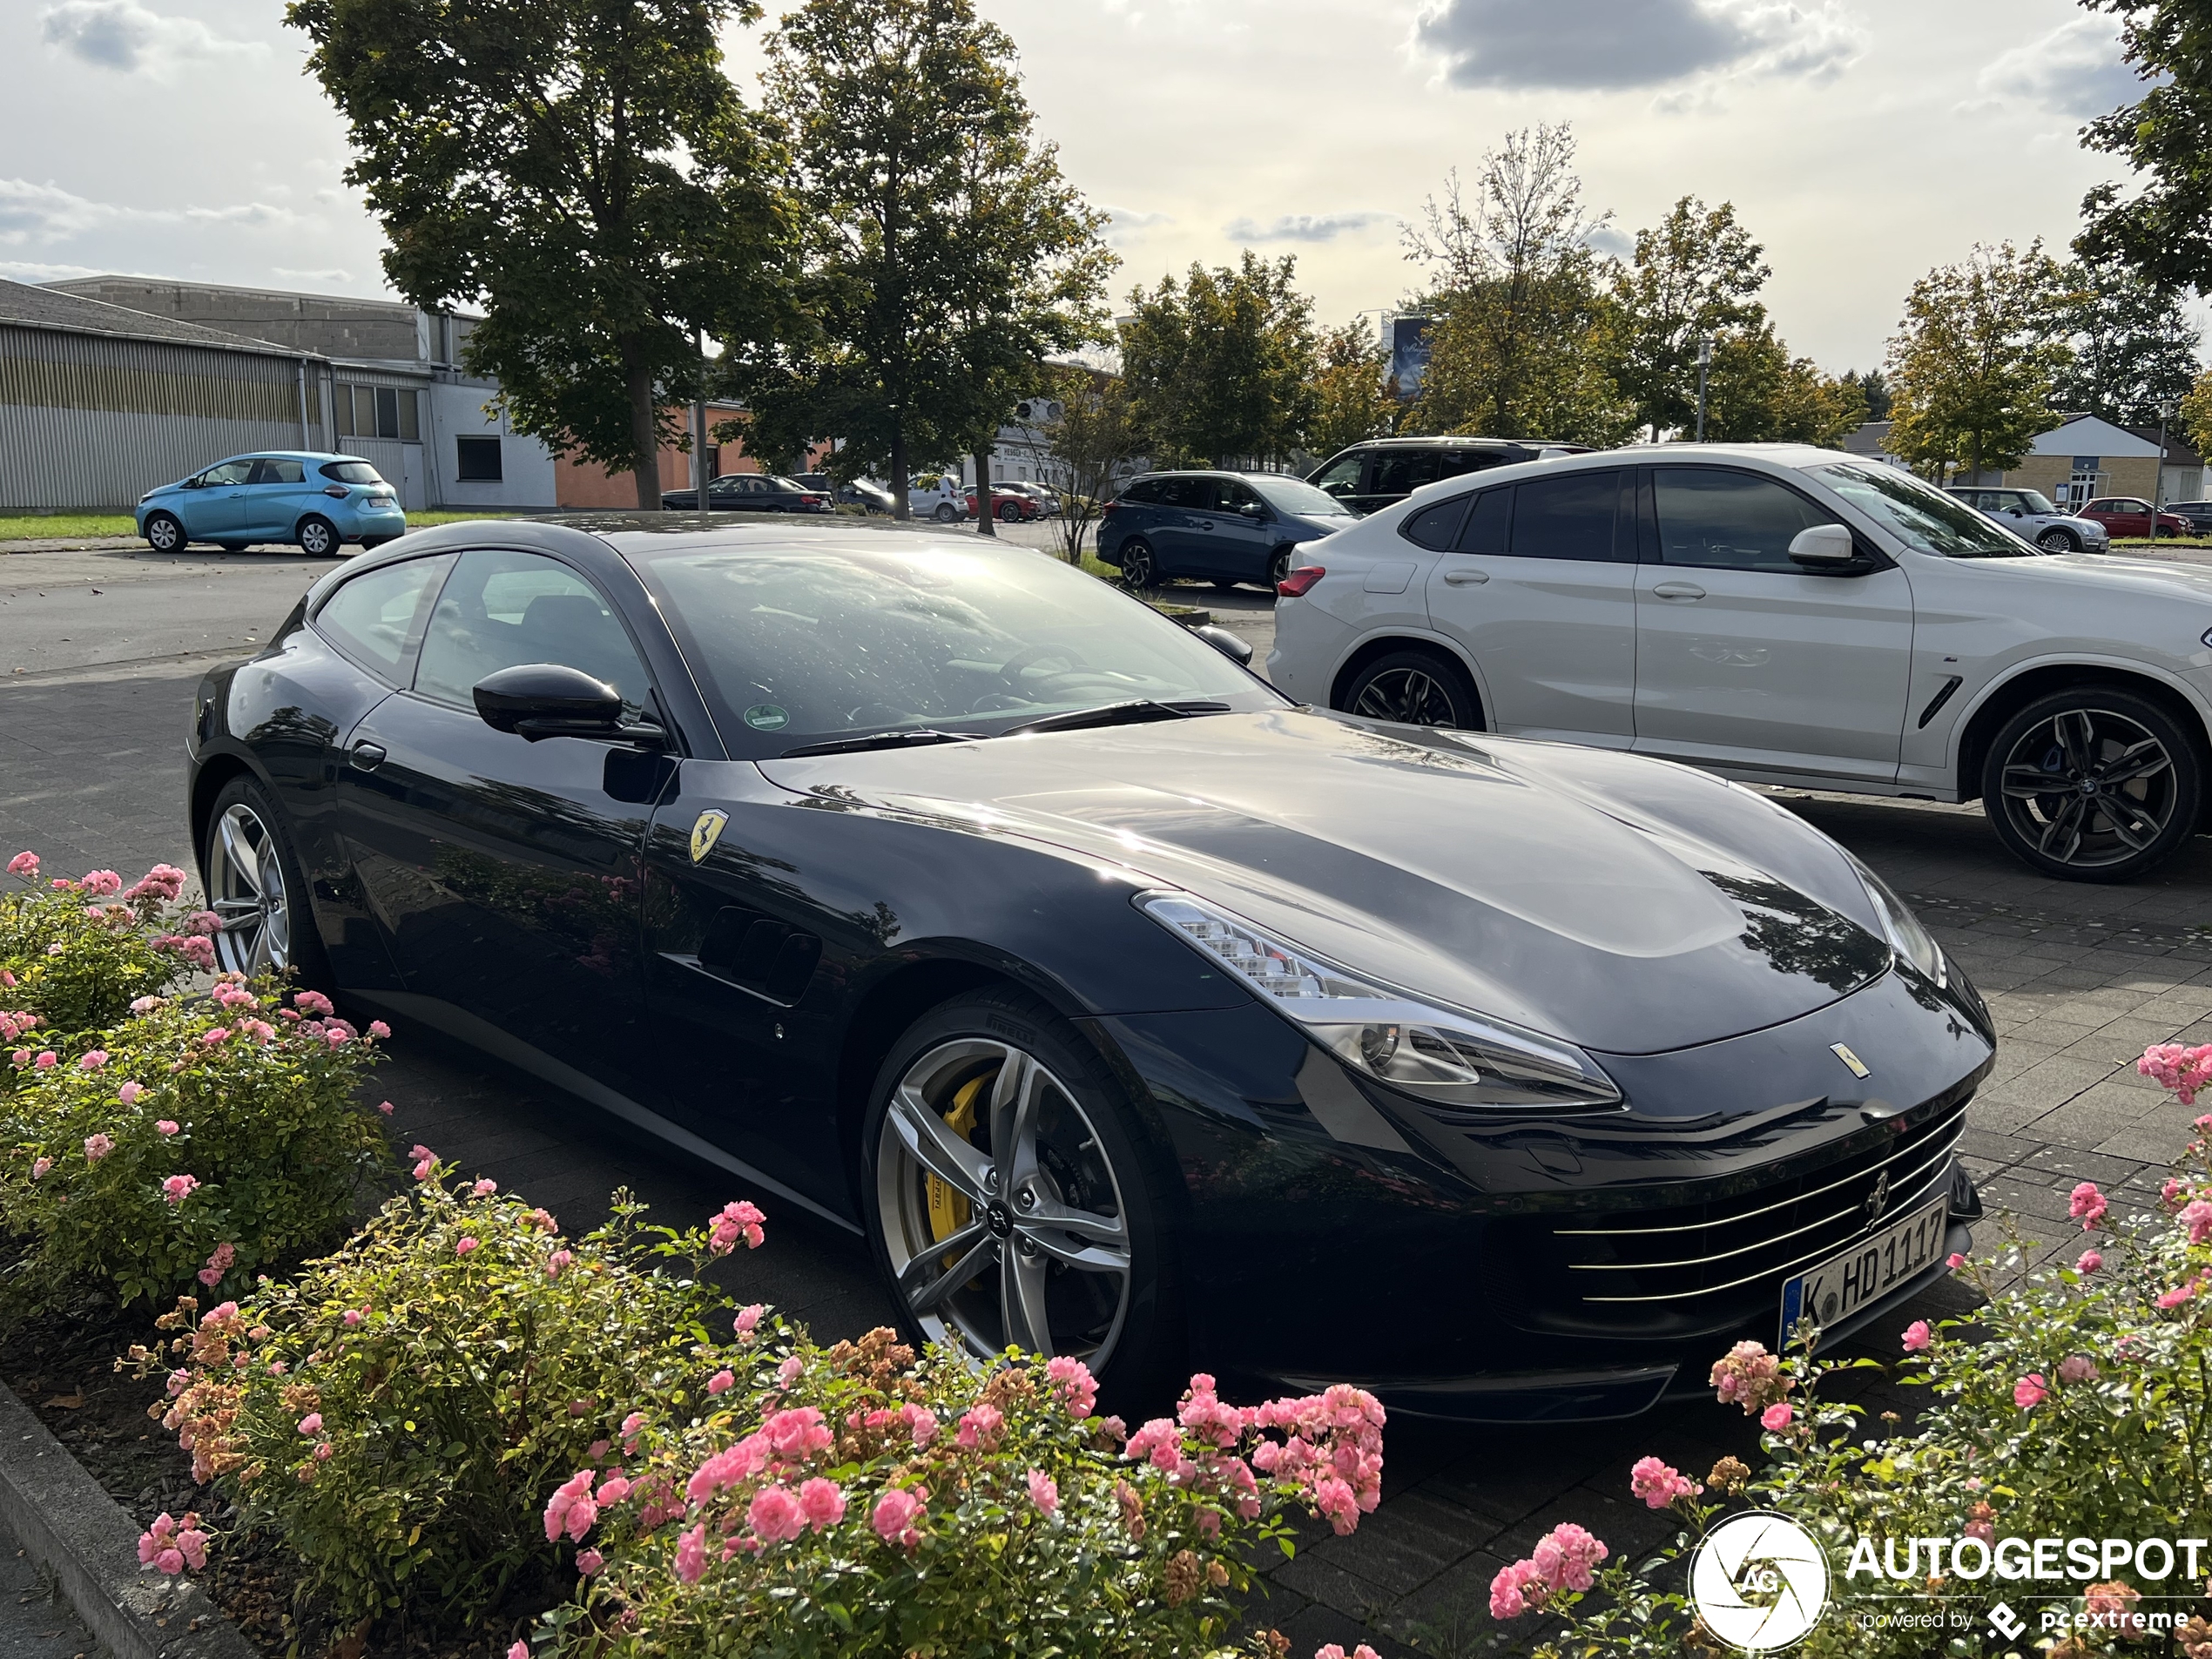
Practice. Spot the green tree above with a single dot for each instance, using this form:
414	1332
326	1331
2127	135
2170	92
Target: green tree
1354	397
1974	359
1095	441
1517	346
2195	414
1874	388
1695	273
945	254
2163	231
1221	368
583	170
2133	347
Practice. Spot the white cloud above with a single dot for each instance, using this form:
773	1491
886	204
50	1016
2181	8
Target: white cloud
1613	44
1125	226
33	214
123	35
2075	68
291	275
1306	227
27	271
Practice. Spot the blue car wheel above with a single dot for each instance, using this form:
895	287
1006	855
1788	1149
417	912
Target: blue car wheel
165	533
318	538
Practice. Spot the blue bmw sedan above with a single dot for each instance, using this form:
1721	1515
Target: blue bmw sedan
1227	527
320	502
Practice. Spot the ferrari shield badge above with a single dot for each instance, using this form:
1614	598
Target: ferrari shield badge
705	832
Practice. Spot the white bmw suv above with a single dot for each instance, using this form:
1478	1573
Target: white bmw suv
1779	613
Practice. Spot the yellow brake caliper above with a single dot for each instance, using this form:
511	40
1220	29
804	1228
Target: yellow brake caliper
948	1208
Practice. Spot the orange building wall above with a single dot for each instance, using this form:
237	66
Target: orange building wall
580	485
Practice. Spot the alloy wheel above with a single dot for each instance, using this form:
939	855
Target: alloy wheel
164	534
1406	696
246	889
1136	565
1000	1211
317	539
2088	788
2056	542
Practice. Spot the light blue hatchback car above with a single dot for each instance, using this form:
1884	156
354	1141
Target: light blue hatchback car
320	502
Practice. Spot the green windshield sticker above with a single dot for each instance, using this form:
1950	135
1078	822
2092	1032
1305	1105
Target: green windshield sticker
767	717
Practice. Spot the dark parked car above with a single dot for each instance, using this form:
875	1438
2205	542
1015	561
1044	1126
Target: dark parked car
1128	1010
1383	471
2199	514
862	492
2130	515
1227	527
750	492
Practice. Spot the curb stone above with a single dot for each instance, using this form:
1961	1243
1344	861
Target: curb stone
70	1527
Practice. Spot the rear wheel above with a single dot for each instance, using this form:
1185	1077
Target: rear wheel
1414	687
318	538
2055	540
255	884
165	533
1009	1201
2092	784
1280	565
945	513
1008	512
1139	570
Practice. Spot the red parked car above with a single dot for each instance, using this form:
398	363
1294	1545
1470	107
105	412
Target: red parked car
2129	516
1008	504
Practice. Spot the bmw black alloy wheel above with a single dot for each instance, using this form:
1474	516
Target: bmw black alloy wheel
2088	788
1001	1213
248	889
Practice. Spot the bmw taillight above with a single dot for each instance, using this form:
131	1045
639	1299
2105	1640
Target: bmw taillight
1299	580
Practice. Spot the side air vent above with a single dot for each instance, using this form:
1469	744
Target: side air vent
759	953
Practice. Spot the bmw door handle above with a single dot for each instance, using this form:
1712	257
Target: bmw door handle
1465	578
365	757
1678	590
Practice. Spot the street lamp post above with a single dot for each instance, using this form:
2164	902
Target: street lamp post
1704	363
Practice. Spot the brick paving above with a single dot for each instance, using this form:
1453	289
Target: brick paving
2080	978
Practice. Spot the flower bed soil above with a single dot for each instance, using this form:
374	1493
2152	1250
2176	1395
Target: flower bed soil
63	1368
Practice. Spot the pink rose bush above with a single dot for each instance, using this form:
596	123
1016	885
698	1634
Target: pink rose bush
211	1137
2073	1402
77	952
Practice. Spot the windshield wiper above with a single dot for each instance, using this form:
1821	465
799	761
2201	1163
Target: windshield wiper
907	738
1136	712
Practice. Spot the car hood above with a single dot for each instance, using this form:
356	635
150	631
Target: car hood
1626	904
2155	579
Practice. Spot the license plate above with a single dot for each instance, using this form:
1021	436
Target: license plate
1868	1270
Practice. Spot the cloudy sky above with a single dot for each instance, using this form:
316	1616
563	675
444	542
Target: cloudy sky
1862	140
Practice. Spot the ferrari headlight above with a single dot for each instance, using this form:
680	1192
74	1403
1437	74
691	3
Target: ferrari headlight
1906	936
1442	1055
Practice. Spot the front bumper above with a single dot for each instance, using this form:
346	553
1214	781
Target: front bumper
1533	1269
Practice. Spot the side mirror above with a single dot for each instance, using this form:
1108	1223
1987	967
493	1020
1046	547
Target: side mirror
1252	510
194	483
539	700
1823	545
1235	647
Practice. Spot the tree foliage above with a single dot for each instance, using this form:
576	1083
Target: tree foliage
1094	440
585	172
2195	414
1695	273
1972	365
944	255
1874	388
2163	231
1222	365
1517	347
1353	397
2133	347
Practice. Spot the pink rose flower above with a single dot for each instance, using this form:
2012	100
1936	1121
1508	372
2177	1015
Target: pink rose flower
462	1246
2030	1391
822	1502
1954	1261
178	1188
791	1370
1658	1485
735	1221
722	1381
92	1060
980	1428
748	1321
588	1561
1044	1491
571	1508
690	1554
1777	1417
2089	1262
378	1029
895	1514
2196	1215
556	1261
2077	1368
47	1061
1917	1338
1074	1384
96	1147
520	1651
1515	1589
130	1092
385	1107
310	1425
774	1516
39	1167
1567	1557
2086	1204
26	866
483	1188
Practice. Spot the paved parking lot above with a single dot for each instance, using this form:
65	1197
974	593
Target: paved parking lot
2080	978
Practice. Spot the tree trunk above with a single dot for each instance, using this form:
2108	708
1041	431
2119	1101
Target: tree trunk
900	507
985	509
644	428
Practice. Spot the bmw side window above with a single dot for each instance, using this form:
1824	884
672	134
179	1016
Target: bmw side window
1566	517
1489	525
376	618
501	610
1714	519
1437	528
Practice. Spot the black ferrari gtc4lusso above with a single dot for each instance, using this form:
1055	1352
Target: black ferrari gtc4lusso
1131	1012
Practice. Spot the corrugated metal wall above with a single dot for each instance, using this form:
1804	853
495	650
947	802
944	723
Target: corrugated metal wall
90	421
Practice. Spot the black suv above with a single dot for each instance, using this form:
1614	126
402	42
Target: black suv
1374	475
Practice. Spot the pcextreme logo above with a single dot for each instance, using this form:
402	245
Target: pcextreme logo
1759	1582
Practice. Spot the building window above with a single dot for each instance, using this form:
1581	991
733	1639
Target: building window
476	460
378	412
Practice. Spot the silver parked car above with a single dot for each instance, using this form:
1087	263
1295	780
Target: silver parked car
2032	514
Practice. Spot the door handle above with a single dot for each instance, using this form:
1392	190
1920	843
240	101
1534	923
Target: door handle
1205	523
365	757
1678	590
1465	578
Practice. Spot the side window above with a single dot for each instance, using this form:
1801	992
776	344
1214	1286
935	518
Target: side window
376	618
1490	527
1340	477
270	471
1193	494
1231	497
1436	528
1566	517
1401	472
230	472
1724	520
501	610
1140	493
1458	462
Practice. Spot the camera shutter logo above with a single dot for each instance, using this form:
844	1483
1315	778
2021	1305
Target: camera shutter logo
1759	1582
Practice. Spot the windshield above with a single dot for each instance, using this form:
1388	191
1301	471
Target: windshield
1294	495
2037	502
1919	514
803	644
